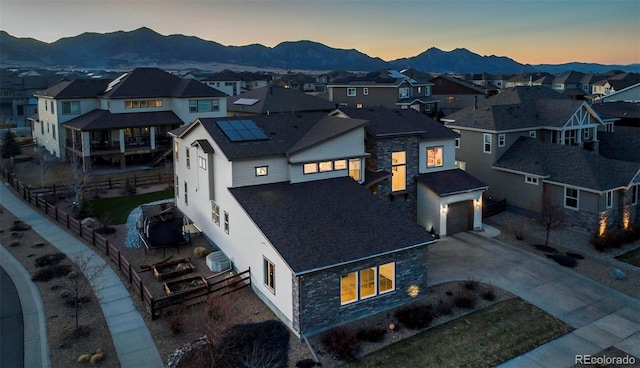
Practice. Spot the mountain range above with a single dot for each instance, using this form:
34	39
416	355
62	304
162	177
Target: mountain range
145	47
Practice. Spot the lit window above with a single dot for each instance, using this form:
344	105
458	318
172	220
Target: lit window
215	213
351	92
531	180
340	165
434	156
398	170
354	169
226	222
269	275
571	198
326	166
175	150
367	283
501	140
387	277
202	162
348	290
487	143
310	168
450	99
610	199
262	170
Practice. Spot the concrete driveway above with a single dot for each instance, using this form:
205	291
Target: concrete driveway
602	317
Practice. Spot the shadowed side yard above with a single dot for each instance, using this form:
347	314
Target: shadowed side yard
481	339
120	207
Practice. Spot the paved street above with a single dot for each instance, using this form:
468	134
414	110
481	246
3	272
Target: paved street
11	327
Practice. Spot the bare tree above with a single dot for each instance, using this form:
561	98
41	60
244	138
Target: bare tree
80	176
79	281
552	216
43	166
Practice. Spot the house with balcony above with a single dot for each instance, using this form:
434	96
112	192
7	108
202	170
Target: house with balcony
120	120
282	195
387	88
412	166
533	145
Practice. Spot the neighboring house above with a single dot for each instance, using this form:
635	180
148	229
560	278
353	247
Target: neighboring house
121	120
626	94
570	84
412	165
525	170
615	83
275	100
233	83
280	195
387	88
455	94
623	113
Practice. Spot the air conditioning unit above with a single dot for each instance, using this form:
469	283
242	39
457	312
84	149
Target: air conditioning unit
218	262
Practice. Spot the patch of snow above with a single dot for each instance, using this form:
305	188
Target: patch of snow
133	240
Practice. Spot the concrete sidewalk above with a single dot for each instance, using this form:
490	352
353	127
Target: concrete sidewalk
130	334
602	317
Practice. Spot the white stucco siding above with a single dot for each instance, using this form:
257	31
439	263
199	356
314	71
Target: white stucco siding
350	144
244	171
448	156
117	106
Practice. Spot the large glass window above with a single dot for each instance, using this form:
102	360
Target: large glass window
434	156
570	137
348	290
367	283
399	170
404	92
354	169
71	107
204	105
487	143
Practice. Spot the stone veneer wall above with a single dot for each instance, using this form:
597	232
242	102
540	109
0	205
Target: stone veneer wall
380	150
317	294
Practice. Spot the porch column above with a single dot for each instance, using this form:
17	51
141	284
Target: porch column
152	132
477	213
122	143
86	144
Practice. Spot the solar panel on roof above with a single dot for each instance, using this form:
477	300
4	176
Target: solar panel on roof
241	130
246	101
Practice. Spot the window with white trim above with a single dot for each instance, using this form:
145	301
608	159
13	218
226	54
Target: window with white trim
486	147
365	91
531	180
571	198
202	162
532	133
186	194
609	199
226	222
215	213
570	137
204	105
501	140
70	107
367	283
354	169
262	170
434	156
187	158
177	189
404	92
269	274
351	92
175	150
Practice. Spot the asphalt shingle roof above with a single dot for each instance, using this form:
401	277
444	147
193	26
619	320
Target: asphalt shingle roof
77	88
517	108
287	133
277	100
450	182
571	165
103	119
312	233
395	122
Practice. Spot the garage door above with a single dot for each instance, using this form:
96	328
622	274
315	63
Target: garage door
459	217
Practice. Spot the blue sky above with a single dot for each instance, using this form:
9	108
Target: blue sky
540	31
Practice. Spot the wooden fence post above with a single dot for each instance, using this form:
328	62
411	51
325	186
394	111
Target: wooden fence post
67	220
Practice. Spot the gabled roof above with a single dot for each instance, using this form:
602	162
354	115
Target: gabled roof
288	133
312	233
76	88
517	108
446	85
277	100
204	144
396	122
450	182
103	119
570	77
155	83
390	78
567	165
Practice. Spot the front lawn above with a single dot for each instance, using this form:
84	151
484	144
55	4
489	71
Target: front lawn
631	257
118	208
481	339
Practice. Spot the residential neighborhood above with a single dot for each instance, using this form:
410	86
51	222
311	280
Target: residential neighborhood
345	197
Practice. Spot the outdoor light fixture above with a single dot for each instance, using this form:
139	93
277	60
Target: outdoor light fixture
413	291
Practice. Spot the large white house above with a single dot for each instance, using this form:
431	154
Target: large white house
121	119
282	195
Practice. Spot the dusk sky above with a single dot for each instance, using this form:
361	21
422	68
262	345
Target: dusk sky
534	32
